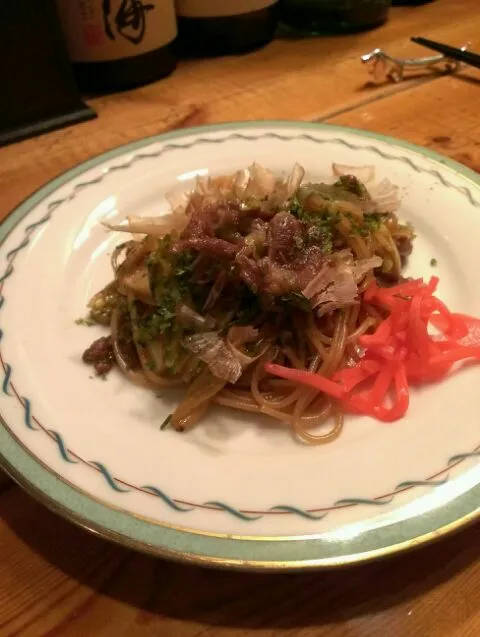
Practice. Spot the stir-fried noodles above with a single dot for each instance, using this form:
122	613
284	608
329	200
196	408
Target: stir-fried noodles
247	269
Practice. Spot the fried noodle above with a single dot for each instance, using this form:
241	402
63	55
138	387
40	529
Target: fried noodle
247	269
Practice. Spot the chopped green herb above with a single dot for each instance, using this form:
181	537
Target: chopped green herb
321	230
87	321
372	222
349	183
166	422
169	275
249	307
297	299
295	207
149	326
103	303
433	262
184	264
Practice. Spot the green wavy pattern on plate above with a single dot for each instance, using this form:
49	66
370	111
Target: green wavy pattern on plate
114	483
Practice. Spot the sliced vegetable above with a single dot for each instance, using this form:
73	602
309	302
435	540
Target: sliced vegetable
211	348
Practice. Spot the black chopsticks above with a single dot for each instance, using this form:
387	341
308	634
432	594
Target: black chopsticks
460	55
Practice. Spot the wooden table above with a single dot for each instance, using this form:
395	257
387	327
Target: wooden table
56	579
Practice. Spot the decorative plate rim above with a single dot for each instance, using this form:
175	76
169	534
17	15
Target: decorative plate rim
71	502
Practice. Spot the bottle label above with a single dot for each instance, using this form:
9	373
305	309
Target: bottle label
103	30
219	8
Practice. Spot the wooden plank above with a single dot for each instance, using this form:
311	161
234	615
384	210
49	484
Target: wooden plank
442	115
57	581
297	78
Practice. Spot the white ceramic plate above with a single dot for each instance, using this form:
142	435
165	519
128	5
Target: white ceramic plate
235	491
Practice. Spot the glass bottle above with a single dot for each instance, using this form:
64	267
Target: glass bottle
334	16
222	27
118	44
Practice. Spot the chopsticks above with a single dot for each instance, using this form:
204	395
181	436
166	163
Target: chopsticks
460	55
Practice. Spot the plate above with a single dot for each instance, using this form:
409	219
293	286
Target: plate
236	491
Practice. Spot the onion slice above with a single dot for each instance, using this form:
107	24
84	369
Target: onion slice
156	226
190	318
385	196
210	348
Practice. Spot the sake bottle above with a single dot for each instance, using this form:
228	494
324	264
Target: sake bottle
118	44
334	16
221	27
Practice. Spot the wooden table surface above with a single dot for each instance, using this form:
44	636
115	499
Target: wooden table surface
55	579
